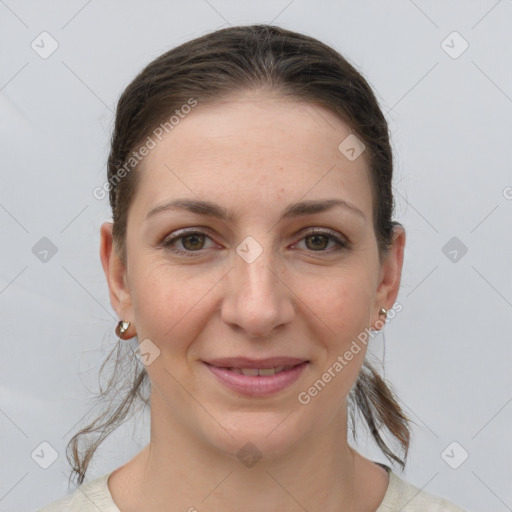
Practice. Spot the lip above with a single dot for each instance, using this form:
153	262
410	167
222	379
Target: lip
245	362
258	385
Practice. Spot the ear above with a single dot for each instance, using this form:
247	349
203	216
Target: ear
390	273
115	272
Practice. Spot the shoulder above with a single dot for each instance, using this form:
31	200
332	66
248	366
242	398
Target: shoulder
89	497
405	497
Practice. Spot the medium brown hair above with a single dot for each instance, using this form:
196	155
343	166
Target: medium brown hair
209	68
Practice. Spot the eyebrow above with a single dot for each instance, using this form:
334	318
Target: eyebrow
202	207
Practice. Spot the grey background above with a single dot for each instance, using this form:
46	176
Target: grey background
447	353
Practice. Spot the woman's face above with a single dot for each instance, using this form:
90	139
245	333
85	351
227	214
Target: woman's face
268	280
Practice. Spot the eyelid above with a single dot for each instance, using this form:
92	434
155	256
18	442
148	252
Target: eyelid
191	230
323	231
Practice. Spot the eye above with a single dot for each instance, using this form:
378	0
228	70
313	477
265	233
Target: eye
317	240
191	241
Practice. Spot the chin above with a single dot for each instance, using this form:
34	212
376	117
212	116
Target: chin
256	435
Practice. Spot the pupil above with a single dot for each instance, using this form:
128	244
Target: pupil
317	237
195	239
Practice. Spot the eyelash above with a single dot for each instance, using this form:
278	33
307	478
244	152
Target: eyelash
168	241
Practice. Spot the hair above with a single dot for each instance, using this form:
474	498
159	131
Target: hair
207	69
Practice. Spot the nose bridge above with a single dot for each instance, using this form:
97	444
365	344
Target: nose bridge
257	280
257	301
254	261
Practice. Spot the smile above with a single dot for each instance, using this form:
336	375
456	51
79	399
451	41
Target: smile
258	382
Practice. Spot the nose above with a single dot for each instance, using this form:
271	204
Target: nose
257	300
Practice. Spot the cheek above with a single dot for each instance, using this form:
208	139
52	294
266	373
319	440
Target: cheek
343	308
341	303
168	303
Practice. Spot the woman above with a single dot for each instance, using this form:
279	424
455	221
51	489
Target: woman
252	252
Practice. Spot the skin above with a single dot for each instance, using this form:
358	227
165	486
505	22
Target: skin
252	153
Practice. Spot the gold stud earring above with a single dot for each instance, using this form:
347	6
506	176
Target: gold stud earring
121	328
382	312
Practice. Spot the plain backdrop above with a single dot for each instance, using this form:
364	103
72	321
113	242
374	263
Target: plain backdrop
442	74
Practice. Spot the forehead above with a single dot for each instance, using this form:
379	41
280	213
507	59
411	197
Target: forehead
255	148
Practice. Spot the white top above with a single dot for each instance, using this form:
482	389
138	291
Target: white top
400	497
